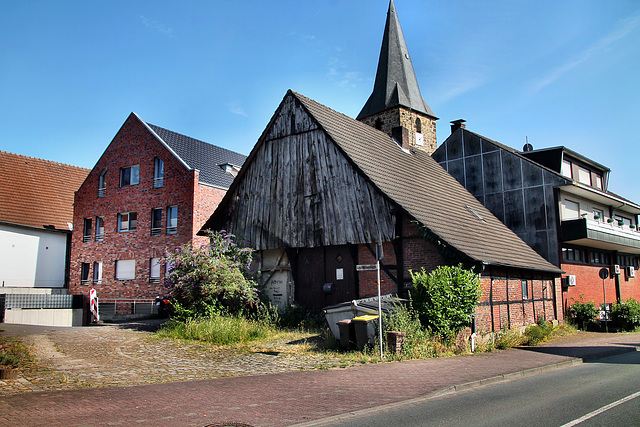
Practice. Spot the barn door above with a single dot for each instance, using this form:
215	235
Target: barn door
317	266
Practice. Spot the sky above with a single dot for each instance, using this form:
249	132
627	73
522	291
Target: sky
544	71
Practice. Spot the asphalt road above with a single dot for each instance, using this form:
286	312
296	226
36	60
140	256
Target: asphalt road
603	393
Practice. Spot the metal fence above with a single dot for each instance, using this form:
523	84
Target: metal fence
112	307
18	301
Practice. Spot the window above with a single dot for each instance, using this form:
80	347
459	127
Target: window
99	229
378	124
418	125
598	215
172	220
125	269
129	176
621	221
158	173
154	270
597	181
566	168
127	221
574	255
600	258
86	234
97	273
156	222
102	187
570	210
525	290
628	260
84	273
584	176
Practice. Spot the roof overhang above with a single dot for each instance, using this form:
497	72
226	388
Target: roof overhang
618	203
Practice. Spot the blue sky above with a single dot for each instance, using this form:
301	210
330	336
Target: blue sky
555	72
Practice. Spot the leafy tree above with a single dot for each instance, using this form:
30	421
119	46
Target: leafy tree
210	279
445	299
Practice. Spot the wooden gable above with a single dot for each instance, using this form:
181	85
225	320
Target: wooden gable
298	190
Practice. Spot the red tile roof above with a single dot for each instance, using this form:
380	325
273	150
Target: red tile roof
37	192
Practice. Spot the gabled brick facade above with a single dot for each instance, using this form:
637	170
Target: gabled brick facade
135	145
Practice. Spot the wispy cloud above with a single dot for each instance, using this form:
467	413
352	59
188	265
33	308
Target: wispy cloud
460	84
624	28
235	108
339	73
157	26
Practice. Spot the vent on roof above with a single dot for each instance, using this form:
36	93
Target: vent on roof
476	214
230	169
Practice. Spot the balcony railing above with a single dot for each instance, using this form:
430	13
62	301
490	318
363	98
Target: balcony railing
86	238
610	233
102	191
158	182
156	231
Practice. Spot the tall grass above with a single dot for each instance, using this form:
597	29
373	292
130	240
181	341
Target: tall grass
15	354
219	329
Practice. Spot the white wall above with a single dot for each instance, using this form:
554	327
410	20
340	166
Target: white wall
31	257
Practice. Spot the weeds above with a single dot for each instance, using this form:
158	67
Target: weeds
15	354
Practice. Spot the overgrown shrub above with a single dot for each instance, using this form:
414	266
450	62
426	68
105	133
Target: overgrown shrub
583	313
217	329
535	334
626	314
445	299
211	279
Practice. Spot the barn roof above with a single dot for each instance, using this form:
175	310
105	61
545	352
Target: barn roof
422	188
418	184
37	192
209	159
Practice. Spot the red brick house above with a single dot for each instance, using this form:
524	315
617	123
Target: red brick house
320	189
150	191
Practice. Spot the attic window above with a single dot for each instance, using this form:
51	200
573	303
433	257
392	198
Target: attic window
476	214
229	168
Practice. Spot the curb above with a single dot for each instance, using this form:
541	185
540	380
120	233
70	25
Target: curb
470	386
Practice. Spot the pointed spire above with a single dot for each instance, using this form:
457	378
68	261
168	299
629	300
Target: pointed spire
396	83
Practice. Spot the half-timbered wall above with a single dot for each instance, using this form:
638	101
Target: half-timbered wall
301	192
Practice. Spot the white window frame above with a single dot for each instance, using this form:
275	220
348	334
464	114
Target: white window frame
85	273
584	176
125	269
102	185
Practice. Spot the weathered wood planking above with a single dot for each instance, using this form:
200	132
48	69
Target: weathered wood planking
300	191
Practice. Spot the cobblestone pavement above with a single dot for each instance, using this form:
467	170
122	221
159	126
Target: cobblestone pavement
128	355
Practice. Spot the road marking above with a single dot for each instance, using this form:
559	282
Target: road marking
601	410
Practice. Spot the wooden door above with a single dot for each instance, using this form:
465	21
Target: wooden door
316	266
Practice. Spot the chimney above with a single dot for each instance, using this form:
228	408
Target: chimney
458	124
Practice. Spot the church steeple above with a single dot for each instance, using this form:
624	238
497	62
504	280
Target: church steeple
396	105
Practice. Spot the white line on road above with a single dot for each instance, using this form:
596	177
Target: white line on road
601	410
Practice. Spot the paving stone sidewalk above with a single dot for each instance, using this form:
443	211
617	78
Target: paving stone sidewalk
300	397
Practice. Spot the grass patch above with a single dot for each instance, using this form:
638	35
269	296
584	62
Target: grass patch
15	354
219	330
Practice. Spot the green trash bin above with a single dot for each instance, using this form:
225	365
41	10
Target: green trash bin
365	330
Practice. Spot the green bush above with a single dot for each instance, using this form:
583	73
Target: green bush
210	279
583	313
445	299
626	314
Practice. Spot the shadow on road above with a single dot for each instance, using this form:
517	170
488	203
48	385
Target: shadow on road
589	354
142	325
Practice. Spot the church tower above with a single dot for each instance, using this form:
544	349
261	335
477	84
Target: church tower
396	105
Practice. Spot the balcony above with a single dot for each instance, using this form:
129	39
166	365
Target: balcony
601	235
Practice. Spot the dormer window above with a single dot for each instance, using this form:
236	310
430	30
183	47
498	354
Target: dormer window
129	176
230	168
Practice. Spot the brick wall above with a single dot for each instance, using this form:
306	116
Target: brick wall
135	145
407	119
206	200
503	303
589	285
